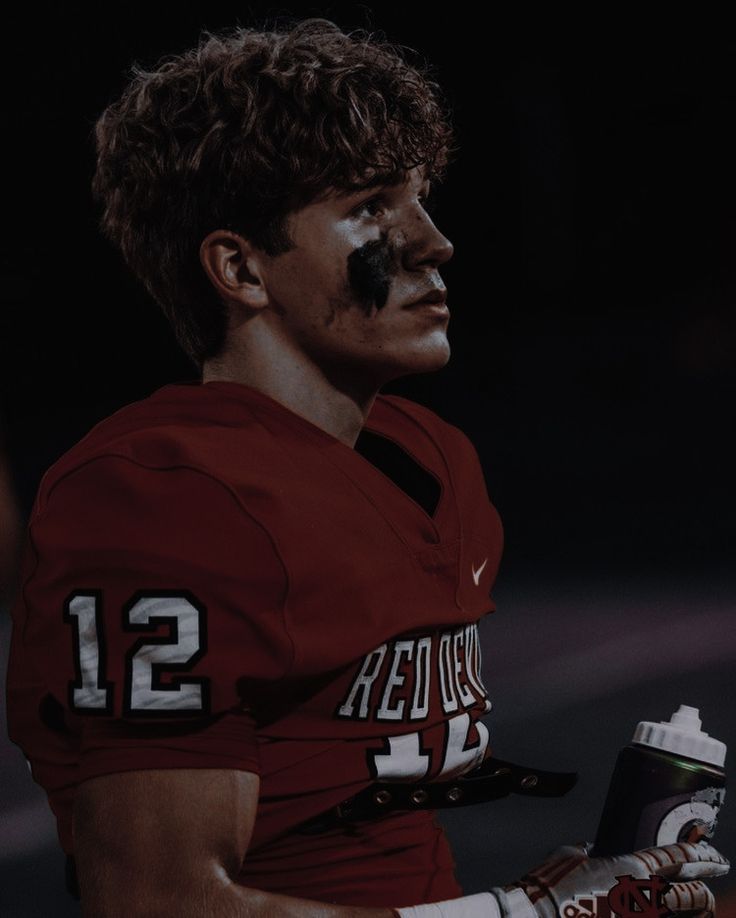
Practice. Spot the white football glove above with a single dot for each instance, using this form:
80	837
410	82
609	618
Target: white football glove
560	886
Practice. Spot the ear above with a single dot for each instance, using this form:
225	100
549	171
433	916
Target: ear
234	268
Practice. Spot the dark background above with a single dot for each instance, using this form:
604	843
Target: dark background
593	296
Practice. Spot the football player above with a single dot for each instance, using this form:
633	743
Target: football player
250	600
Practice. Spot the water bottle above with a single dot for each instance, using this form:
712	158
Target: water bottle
667	787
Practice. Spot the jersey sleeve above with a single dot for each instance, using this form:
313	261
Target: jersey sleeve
149	624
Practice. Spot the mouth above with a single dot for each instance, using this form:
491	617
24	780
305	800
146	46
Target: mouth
438	295
432	303
427	307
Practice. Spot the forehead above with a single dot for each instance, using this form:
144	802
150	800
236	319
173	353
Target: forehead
416	176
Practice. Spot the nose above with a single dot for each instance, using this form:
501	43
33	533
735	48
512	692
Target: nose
425	244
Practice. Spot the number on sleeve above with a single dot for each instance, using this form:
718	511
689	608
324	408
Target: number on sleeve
146	691
89	693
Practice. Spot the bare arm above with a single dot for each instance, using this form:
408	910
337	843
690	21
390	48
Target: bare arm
151	844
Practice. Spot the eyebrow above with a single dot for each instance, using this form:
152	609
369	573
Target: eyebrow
373	185
379	185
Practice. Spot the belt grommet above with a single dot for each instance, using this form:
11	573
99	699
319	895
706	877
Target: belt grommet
382	797
529	781
454	794
419	796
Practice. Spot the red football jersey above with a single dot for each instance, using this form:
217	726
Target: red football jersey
213	581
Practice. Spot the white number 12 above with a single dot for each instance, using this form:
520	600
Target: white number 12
144	691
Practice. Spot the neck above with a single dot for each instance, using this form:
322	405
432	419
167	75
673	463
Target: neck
306	389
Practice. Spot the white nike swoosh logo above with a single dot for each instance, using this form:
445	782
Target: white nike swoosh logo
477	573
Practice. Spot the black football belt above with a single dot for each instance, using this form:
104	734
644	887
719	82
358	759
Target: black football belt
492	779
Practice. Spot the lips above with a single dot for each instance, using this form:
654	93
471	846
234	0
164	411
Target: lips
435	297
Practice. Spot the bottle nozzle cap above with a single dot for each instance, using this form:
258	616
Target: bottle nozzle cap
681	734
686	717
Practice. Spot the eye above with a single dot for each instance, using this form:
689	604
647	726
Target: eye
372	206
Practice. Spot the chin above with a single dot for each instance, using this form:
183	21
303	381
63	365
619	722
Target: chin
428	358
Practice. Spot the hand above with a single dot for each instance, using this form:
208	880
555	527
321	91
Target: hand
569	873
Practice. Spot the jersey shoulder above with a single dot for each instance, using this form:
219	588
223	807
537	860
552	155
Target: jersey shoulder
133	526
162	431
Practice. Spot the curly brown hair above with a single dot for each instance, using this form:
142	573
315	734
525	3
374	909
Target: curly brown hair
240	131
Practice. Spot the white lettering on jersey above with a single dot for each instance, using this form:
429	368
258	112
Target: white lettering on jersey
458	757
471	659
404	759
461	662
449	698
420	704
363	683
395	681
385	712
423	681
89	692
155	667
145	688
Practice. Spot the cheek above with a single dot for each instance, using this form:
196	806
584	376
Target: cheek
299	285
369	270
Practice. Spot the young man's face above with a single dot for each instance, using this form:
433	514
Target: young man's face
343	295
